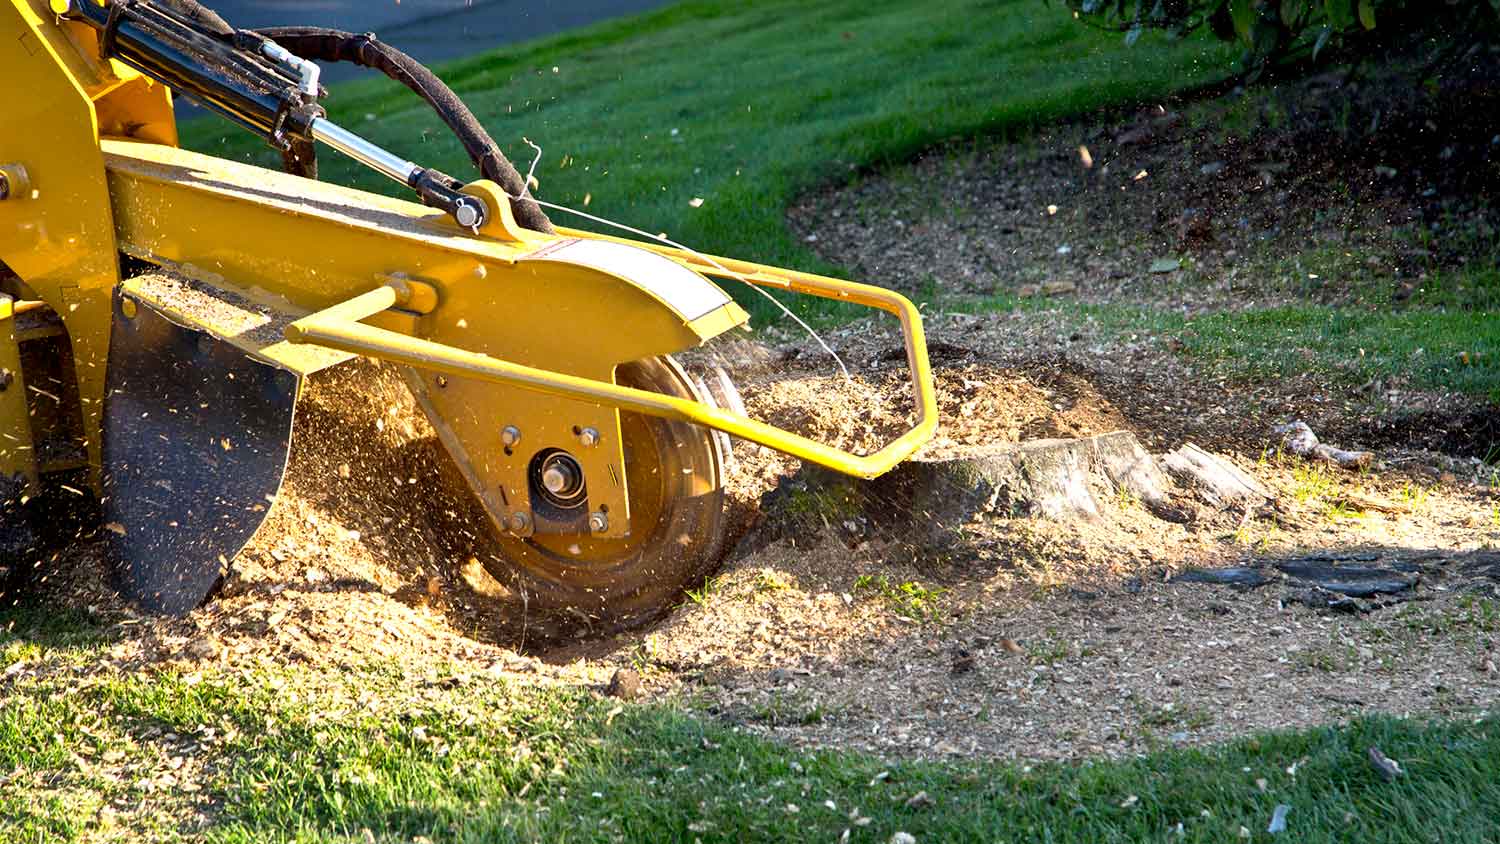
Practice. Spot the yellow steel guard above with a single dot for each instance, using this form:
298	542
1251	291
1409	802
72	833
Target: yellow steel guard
339	327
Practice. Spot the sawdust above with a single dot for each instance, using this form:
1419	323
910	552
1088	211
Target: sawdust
1033	639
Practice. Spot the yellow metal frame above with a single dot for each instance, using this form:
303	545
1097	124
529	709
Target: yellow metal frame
16	455
339	327
104	177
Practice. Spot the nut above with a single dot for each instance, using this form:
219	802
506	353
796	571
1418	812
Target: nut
519	522
588	437
598	522
510	435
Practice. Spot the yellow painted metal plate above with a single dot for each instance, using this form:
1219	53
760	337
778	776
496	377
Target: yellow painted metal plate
17	459
311	245
255	328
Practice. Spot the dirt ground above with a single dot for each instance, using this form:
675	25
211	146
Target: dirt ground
1034	639
1029	638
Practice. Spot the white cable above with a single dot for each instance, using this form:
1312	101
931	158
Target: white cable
688	249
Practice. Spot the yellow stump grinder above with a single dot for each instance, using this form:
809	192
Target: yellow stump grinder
160	310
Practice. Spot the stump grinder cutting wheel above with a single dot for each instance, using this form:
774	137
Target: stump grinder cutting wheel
160	310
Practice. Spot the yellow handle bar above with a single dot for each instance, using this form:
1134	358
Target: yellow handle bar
339	327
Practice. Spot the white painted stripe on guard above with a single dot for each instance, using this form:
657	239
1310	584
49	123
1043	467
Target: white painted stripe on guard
684	291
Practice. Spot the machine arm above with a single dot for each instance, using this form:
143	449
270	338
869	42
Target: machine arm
263	88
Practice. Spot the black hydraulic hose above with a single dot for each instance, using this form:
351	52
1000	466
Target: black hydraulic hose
332	45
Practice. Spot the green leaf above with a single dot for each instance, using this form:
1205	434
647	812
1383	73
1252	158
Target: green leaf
1292	12
1322	41
1339	13
1367	13
1242	12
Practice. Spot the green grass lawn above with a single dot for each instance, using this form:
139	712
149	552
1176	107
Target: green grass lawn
292	753
743	105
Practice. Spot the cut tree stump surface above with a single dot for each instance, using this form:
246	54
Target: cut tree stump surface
1054	478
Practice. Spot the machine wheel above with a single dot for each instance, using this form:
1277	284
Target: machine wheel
675	477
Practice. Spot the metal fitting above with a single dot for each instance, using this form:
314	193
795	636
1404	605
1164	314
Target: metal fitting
6	379
510	435
598	522
308	72
557	479
588	437
519	523
14	183
467	215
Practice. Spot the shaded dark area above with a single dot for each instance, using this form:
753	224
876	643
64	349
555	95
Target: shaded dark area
1360	581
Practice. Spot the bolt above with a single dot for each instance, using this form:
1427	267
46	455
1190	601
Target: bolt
519	522
128	308
598	522
6	379
510	435
555	479
588	437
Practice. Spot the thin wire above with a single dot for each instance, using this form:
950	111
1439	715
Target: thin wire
688	249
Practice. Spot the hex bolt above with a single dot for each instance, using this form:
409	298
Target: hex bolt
598	522
588	437
510	435
555	479
519	522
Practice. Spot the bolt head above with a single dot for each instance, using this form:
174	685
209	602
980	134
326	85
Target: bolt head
519	522
467	215
510	435
555	480
588	437
598	522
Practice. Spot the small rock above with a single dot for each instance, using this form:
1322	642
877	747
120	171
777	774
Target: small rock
625	684
1010	646
1387	768
1211	168
903	838
920	800
1278	819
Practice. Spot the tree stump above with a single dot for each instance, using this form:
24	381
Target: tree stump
931	499
1214	479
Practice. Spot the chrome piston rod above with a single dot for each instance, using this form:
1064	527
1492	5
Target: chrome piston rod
366	153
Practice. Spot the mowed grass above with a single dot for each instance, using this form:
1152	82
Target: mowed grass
399	753
743	105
